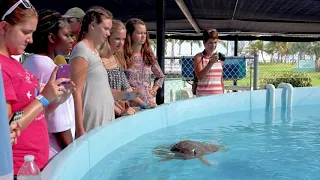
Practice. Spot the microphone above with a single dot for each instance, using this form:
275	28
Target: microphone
59	59
222	57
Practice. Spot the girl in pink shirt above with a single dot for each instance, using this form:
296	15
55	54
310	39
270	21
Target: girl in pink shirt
22	90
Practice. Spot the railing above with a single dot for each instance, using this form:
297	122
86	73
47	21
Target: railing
238	74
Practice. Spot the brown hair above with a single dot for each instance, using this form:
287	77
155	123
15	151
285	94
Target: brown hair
98	8
210	34
146	51
104	49
93	16
18	14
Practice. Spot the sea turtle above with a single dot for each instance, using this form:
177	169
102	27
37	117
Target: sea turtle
187	149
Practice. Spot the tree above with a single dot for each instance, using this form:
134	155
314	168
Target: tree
300	48
315	50
271	49
252	48
283	49
241	47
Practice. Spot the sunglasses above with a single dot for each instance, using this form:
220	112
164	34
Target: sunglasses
73	19
26	4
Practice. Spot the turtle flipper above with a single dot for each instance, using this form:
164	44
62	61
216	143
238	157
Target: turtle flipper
223	148
204	161
167	158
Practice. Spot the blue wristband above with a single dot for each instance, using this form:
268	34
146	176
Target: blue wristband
143	105
43	100
128	95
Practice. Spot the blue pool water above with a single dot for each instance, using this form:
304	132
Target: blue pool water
260	147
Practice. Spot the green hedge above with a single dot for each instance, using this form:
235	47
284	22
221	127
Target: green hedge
296	80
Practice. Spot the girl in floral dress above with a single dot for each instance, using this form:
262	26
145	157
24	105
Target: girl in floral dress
140	62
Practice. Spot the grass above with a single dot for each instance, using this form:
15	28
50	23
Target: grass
268	70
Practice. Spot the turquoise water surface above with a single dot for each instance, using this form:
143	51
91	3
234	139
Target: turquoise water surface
260	147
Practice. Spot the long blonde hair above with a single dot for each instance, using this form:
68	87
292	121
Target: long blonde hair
105	50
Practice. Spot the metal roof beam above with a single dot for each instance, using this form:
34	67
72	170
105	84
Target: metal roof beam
188	15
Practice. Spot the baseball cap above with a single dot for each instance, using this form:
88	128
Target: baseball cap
74	12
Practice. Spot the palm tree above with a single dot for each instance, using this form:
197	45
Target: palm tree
283	49
252	48
241	47
271	49
256	47
300	48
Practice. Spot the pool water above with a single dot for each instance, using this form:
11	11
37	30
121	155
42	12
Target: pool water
259	147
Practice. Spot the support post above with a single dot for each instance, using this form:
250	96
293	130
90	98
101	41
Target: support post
161	7
255	71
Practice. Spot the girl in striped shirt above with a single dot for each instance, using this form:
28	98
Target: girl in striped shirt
208	67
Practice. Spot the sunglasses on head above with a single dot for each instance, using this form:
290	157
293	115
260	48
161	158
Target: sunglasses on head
26	4
70	20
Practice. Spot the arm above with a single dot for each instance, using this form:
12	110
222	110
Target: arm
59	123
139	101
118	95
124	108
158	82
201	71
29	114
14	132
127	87
78	74
33	109
69	89
118	109
122	95
53	106
64	138
222	82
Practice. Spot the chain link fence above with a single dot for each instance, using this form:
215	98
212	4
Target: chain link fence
293	62
297	63
179	69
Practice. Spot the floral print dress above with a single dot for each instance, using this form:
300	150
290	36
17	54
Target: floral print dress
139	76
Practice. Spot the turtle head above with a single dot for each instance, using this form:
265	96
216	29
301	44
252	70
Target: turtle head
185	151
190	153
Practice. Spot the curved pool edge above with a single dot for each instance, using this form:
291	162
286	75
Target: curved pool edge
84	153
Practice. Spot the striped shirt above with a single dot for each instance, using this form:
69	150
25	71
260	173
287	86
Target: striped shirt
211	83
